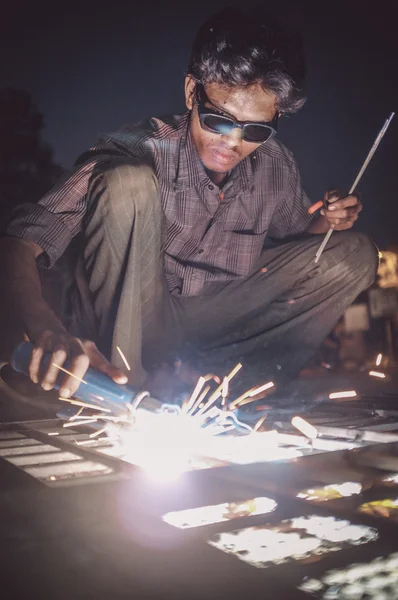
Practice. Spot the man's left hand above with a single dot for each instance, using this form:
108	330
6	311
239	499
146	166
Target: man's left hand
341	213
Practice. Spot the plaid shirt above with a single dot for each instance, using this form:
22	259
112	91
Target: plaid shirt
213	234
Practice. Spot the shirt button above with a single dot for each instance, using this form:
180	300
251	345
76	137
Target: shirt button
211	187
193	276
200	251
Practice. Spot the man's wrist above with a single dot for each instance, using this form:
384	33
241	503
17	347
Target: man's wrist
35	322
319	225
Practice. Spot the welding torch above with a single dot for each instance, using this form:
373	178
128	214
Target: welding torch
96	390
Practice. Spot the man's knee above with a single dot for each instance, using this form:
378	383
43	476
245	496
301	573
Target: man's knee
360	256
126	185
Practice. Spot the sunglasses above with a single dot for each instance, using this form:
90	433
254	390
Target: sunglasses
216	122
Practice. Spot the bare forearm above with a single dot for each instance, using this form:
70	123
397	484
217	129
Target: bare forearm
21	292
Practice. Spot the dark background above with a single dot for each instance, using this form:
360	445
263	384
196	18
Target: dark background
91	67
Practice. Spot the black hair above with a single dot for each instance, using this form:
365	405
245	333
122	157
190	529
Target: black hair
239	48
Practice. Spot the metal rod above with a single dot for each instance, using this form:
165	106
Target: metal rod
358	178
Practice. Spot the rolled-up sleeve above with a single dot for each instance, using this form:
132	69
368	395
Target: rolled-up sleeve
54	221
291	217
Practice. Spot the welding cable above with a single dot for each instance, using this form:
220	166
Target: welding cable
237	422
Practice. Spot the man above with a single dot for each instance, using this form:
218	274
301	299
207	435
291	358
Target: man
195	236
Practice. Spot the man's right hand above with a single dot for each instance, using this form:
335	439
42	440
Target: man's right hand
24	303
80	354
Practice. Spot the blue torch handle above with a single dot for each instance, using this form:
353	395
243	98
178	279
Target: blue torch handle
98	389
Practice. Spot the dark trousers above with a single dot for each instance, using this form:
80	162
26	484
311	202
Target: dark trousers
272	321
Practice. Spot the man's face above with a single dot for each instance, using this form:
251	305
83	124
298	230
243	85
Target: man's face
221	153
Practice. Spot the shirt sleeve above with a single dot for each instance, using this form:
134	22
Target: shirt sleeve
57	218
291	216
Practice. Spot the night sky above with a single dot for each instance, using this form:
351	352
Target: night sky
91	67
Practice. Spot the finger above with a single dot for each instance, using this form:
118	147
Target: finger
332	196
343	226
35	363
345	213
42	346
99	362
339	220
57	359
77	369
341	203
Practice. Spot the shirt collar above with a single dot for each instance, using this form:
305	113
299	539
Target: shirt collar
190	171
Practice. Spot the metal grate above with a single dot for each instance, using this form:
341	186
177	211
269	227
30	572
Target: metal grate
292	540
47	462
376	580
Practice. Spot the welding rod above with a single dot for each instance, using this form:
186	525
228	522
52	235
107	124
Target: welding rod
354	185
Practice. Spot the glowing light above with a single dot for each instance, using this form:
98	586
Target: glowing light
263	545
391	479
162	443
377	374
381	508
347	394
331	492
304	427
244	450
358	580
165	444
335	530
379	359
208	515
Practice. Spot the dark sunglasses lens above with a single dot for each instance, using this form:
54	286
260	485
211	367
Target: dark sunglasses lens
257	134
220	125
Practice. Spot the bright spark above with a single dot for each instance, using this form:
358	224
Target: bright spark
377	374
195	394
212	376
199	400
249	394
83	404
97	433
378	360
77	423
68	373
259	423
217	393
234	371
124	359
84	442
224	391
348	394
304	427
82	417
